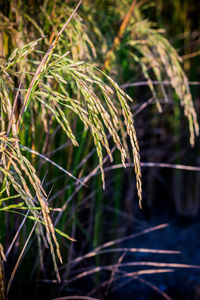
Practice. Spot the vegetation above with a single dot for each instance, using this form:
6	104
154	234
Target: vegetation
68	107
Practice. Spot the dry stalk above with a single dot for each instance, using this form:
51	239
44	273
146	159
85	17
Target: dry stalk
2	284
117	39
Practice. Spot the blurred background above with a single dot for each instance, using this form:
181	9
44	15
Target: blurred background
151	49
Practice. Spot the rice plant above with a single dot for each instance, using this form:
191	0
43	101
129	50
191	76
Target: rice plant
55	69
58	89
